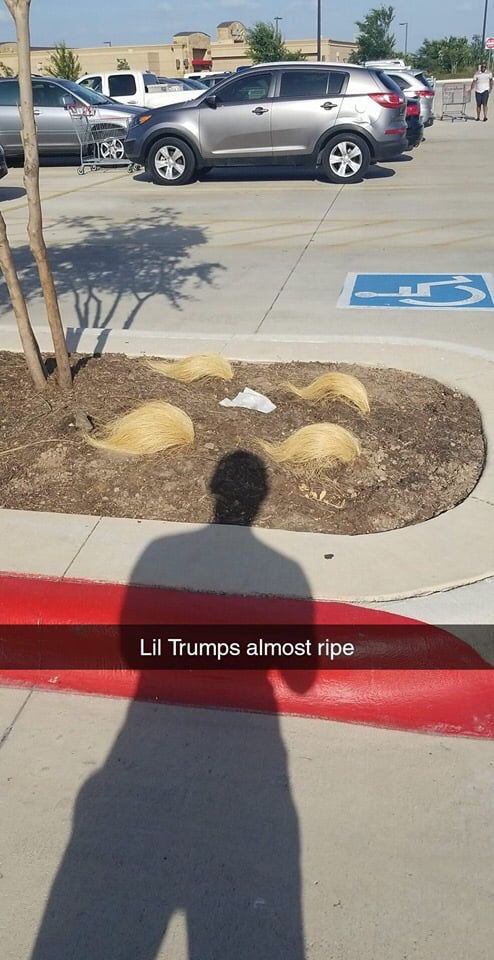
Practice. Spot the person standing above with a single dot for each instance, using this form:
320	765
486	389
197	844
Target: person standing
482	84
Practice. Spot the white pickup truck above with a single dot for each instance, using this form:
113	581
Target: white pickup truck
136	87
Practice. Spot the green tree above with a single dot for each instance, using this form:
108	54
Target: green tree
265	45
449	55
293	54
375	40
122	64
64	63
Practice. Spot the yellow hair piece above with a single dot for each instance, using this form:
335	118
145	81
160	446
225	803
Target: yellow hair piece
209	366
316	444
154	427
333	386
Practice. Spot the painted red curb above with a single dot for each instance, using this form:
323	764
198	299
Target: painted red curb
459	701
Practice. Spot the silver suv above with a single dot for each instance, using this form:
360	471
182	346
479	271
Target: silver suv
339	117
413	83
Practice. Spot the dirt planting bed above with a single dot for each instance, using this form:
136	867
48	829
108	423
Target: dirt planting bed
422	448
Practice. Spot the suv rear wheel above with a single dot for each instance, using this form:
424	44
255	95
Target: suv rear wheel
346	158
171	162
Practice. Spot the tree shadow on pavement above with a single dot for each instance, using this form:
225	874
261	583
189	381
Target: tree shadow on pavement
101	264
191	812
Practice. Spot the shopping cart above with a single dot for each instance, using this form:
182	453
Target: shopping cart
101	141
456	97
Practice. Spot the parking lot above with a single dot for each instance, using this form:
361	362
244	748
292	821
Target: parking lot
264	252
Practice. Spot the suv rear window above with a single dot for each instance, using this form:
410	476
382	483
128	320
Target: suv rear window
403	84
421	77
310	84
388	82
9	93
304	83
122	85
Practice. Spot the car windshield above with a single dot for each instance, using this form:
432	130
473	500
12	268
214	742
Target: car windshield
195	85
179	85
84	93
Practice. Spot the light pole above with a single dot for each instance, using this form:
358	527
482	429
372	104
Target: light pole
405	24
318	30
484	27
277	27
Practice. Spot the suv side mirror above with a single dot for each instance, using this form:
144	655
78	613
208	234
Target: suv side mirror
212	101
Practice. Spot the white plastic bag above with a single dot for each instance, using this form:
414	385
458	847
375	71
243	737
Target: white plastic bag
250	400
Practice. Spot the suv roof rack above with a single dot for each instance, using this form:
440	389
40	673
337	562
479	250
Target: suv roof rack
300	64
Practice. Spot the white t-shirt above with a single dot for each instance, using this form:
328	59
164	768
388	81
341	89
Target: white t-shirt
482	81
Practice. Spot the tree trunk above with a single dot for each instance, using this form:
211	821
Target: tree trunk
29	344
20	12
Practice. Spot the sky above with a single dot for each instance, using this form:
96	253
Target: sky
93	22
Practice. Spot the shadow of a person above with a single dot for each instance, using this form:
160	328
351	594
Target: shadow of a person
191	812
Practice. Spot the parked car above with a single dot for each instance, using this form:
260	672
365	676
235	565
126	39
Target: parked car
340	117
210	78
415	85
3	164
415	124
52	99
135	87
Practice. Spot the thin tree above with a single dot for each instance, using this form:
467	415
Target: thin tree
19	10
266	45
64	63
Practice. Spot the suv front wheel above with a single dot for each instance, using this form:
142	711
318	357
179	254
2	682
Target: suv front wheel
171	162
345	159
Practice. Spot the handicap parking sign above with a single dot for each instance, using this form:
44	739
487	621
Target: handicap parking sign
419	291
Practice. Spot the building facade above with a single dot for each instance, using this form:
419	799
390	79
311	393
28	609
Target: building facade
188	52
229	50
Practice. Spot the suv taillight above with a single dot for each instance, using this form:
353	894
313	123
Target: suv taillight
390	100
413	110
424	93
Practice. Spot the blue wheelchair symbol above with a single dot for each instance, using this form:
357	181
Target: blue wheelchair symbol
436	291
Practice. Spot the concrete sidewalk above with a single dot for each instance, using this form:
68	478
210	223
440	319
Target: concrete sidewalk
132	829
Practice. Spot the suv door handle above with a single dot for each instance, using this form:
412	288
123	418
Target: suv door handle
328	105
260	110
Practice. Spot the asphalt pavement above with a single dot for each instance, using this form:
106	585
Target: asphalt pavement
262	252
